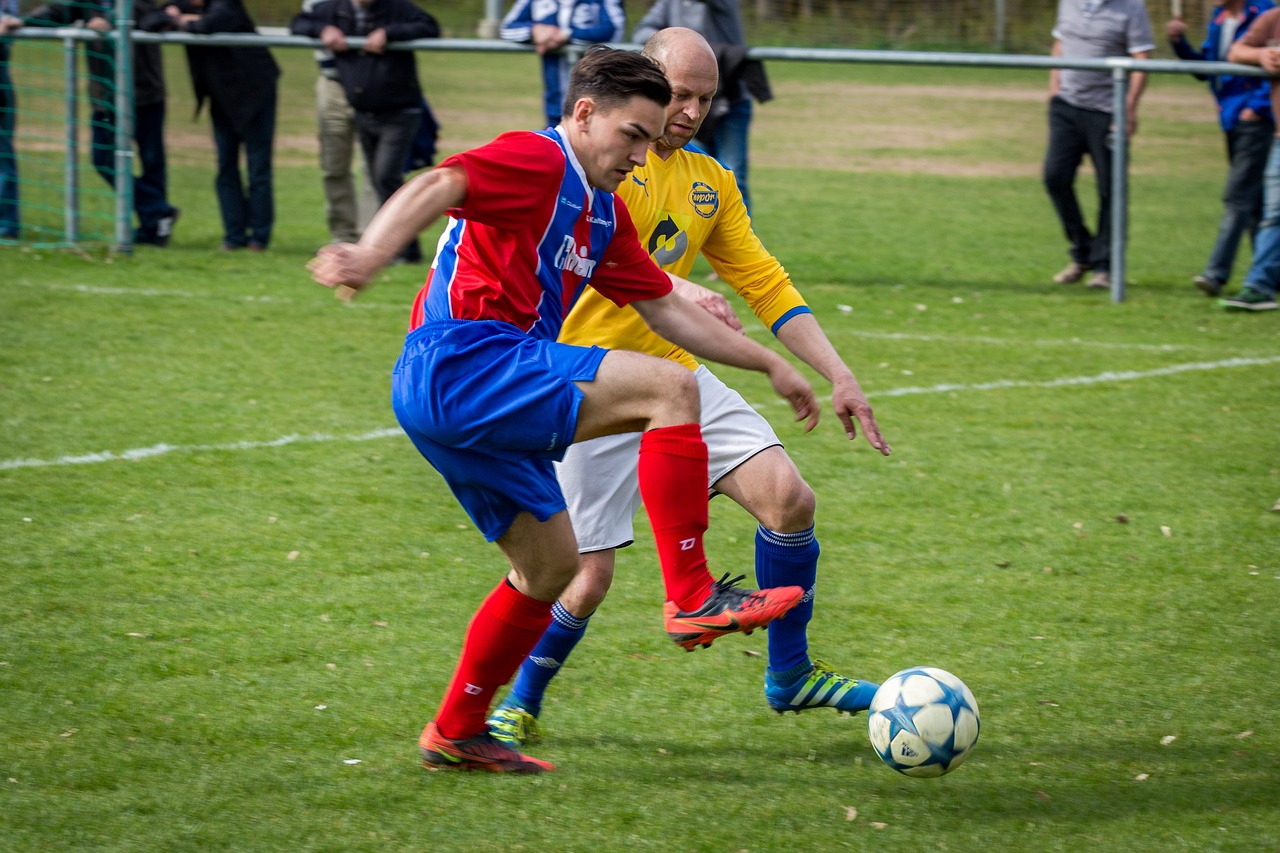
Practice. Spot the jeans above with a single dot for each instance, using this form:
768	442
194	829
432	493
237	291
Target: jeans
8	158
386	139
729	144
149	187
1074	132
1265	269
1248	144
247	217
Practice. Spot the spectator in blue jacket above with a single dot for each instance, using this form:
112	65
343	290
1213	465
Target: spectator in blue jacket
1244	109
550	25
9	20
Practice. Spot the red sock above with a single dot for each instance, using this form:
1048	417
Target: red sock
673	485
503	631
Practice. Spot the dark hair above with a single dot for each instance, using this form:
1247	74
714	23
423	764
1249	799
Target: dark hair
612	76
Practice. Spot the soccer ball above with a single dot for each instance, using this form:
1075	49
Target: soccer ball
923	721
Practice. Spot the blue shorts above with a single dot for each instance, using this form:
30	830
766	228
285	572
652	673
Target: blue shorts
491	409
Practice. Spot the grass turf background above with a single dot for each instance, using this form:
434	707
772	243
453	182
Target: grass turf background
170	625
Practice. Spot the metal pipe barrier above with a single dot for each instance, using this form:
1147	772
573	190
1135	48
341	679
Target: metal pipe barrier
1120	67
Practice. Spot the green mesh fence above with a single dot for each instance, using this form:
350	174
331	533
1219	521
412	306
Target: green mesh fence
52	99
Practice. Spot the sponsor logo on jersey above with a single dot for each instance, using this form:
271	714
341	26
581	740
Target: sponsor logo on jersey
568	203
595	220
705	200
667	242
573	258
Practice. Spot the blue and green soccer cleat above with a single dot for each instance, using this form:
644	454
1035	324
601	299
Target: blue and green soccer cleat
821	688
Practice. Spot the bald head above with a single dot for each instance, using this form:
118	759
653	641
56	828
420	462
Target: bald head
690	66
679	42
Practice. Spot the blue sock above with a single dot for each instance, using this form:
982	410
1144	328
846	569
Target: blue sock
547	657
788	559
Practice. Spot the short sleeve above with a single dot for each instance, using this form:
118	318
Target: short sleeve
507	178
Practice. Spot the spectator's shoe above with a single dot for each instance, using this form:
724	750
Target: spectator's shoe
513	725
1071	273
481	752
164	228
727	611
821	688
1101	280
1208	285
1249	299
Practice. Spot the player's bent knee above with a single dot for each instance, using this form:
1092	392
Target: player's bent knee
792	507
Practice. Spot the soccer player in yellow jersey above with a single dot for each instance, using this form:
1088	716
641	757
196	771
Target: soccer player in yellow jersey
683	202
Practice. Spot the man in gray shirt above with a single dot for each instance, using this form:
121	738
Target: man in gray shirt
1080	120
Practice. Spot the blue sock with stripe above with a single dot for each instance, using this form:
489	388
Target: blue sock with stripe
788	559
545	660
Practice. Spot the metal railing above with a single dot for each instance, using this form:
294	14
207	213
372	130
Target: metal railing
1120	69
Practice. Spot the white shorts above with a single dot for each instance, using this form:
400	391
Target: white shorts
599	477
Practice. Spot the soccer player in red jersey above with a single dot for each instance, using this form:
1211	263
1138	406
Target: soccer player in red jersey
491	399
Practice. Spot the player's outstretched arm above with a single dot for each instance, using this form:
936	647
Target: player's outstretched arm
708	300
805	339
686	325
350	267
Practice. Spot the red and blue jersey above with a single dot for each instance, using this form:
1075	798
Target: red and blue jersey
530	236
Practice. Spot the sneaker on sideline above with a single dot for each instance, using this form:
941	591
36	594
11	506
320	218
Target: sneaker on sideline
1208	285
1071	273
1249	299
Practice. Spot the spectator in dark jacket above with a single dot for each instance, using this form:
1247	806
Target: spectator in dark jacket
381	85
240	85
156	216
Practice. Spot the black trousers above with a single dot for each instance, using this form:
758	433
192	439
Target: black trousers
1074	132
386	139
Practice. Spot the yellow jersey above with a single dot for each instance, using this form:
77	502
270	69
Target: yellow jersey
681	206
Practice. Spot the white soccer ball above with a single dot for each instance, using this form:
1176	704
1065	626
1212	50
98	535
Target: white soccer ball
923	721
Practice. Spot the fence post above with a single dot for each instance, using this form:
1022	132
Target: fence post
70	169
124	125
1119	179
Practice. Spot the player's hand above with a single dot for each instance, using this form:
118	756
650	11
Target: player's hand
851	404
1176	29
708	300
344	267
796	390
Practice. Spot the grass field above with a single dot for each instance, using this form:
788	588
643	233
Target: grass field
227	578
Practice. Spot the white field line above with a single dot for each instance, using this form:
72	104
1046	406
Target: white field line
97	290
162	449
1066	381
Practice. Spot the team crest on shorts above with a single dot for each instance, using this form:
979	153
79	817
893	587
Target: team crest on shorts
705	199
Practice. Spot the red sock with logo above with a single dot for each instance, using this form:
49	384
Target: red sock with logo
500	636
673	485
